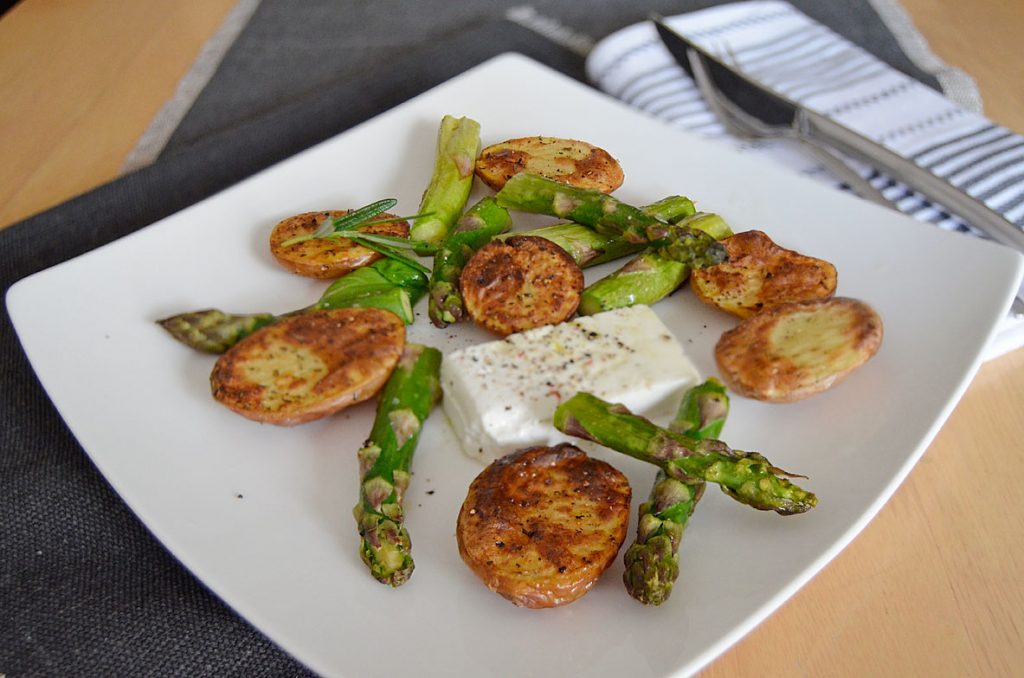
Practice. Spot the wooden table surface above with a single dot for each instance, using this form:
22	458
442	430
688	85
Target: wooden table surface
933	586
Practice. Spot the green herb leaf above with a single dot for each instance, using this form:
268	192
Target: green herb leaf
373	222
364	213
394	241
348	221
391	253
348	226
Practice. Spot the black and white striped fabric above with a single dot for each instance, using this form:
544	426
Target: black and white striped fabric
793	54
808	62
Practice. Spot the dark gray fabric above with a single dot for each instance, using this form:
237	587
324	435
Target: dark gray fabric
292	49
84	588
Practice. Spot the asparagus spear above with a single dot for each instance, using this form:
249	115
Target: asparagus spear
475	229
458	143
652	561
670	209
212	330
387	283
747	477
649	277
590	248
532	193
385	458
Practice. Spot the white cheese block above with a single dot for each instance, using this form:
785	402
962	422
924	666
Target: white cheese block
500	396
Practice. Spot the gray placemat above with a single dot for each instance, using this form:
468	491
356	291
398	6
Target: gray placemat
84	588
290	50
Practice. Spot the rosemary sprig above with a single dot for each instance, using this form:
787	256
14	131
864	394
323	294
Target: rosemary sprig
379	238
351	220
387	251
348	226
343	225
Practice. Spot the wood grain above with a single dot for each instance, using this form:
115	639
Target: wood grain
983	39
931	587
80	82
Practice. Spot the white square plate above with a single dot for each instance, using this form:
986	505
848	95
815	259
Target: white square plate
262	514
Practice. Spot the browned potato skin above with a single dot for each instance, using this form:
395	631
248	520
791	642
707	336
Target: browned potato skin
539	526
354	349
760	274
520	283
570	161
330	258
758	362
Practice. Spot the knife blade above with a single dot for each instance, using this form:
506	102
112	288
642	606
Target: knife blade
777	109
740	122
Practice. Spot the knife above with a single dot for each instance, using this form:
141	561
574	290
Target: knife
777	109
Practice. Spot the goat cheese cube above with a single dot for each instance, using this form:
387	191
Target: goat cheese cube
500	396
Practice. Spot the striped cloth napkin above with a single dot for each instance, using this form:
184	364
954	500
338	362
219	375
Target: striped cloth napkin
793	54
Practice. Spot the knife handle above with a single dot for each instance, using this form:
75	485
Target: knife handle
957	201
848	175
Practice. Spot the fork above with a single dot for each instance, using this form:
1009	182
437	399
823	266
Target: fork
743	125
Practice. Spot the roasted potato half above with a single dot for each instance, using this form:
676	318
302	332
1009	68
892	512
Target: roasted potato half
326	258
760	274
796	350
310	365
570	161
520	283
539	526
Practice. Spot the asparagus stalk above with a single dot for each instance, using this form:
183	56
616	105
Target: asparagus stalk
587	247
652	561
408	397
747	477
532	193
212	330
650	276
387	283
670	209
702	411
474	229
458	143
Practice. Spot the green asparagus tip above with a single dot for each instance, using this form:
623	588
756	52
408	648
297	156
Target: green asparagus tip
445	305
694	248
747	477
651	570
386	549
760	485
211	330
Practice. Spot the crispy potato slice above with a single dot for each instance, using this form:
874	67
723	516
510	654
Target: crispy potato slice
760	274
796	350
310	365
570	161
326	258
520	283
539	526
